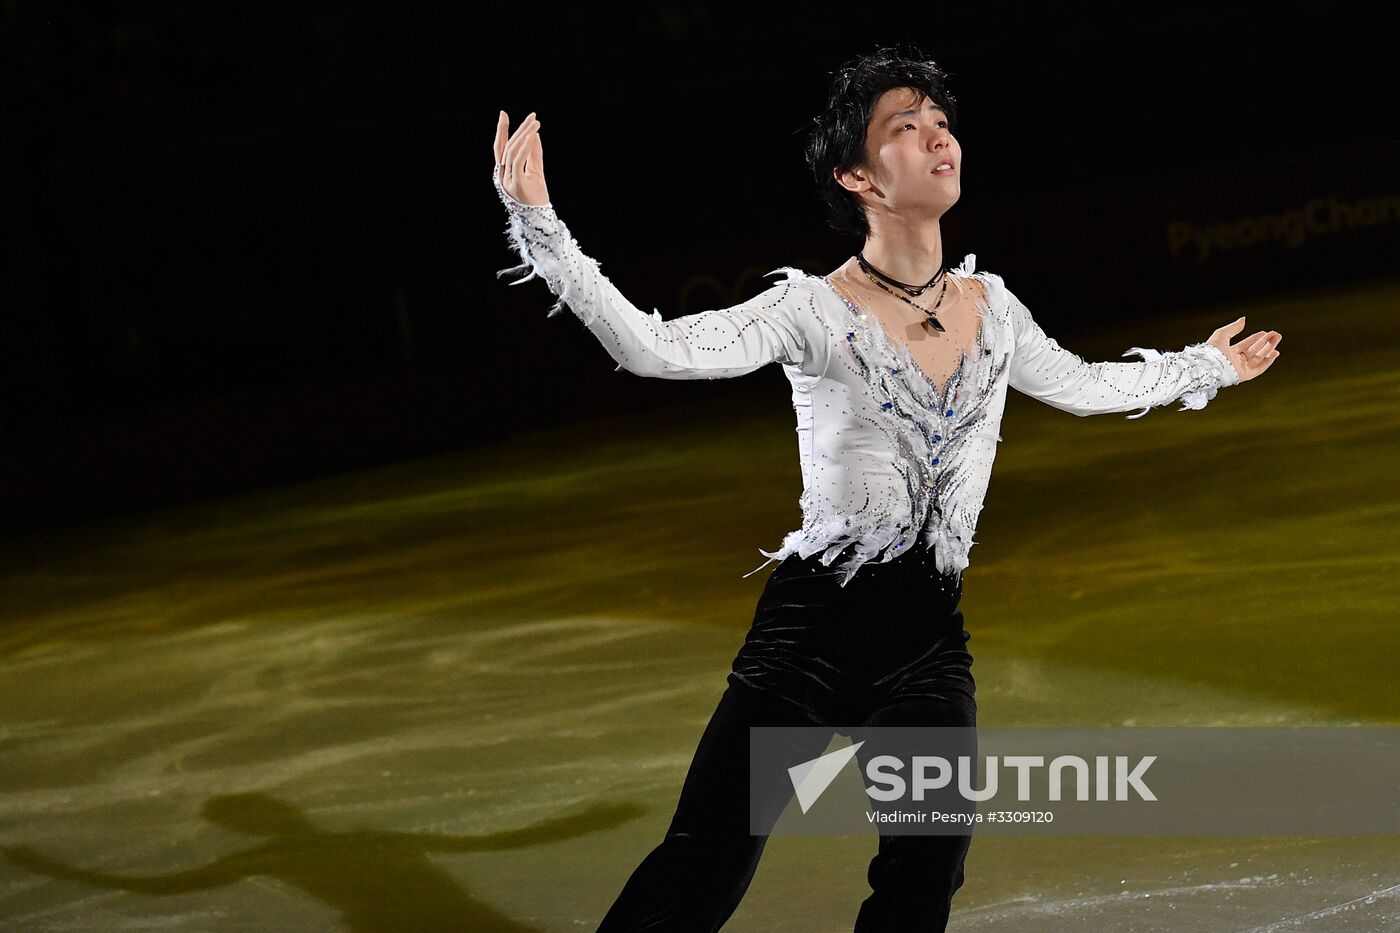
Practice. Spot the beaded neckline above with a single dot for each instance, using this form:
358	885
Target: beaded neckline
900	349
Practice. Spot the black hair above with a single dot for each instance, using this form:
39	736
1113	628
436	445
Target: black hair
835	138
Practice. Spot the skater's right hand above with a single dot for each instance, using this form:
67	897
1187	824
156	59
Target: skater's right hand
521	159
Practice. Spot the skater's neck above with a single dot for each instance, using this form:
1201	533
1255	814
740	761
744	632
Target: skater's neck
908	250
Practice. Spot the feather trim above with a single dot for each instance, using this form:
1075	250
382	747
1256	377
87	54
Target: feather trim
1210	371
928	425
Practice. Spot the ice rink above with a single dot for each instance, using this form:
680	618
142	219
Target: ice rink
462	692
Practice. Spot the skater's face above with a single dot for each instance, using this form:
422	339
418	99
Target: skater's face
905	141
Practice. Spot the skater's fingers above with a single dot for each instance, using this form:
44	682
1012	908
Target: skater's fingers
516	151
535	155
518	140
498	145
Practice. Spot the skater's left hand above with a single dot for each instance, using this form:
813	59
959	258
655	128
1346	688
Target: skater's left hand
1252	355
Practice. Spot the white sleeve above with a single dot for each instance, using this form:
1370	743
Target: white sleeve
777	325
1044	370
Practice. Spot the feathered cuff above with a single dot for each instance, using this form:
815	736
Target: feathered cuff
1211	370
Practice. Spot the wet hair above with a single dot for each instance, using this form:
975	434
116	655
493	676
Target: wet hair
835	138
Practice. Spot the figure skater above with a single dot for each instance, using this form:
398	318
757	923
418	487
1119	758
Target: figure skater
899	370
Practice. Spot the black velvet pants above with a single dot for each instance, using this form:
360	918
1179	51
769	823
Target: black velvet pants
887	649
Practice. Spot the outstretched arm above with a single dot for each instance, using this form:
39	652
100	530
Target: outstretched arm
1044	370
771	327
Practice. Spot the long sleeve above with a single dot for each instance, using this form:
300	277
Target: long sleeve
775	326
1044	370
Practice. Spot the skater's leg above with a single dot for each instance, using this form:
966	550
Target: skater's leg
694	879
913	877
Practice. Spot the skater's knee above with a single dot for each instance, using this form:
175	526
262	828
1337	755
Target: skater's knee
925	859
715	847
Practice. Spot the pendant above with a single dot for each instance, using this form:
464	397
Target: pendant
934	326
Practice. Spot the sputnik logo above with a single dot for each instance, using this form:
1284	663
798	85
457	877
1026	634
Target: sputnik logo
811	778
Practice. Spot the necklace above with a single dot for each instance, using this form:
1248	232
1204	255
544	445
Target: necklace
930	317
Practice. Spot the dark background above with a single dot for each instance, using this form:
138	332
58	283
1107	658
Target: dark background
252	244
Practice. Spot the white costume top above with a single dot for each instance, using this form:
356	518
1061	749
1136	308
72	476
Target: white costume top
888	457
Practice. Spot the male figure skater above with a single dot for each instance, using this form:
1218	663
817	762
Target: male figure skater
899	368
